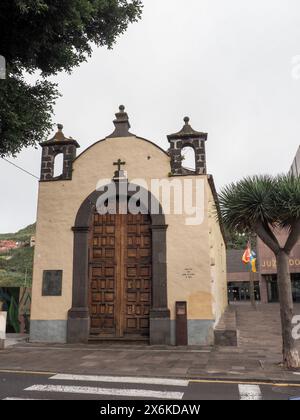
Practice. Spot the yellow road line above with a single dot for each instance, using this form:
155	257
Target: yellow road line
200	381
275	384
27	372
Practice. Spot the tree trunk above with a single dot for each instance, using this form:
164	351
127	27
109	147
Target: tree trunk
291	357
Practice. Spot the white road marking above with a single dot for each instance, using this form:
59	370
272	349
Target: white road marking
296	373
146	393
121	379
250	392
19	399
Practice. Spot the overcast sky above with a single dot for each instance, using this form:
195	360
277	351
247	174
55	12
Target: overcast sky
226	64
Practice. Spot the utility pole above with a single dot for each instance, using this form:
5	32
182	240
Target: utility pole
252	289
251	277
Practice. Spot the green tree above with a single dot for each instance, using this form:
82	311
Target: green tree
236	240
25	112
263	204
49	36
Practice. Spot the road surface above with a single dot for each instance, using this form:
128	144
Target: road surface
42	386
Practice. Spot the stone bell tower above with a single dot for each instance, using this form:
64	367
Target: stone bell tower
58	145
187	137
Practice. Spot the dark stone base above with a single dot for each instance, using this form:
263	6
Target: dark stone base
48	331
78	326
78	330
200	332
160	327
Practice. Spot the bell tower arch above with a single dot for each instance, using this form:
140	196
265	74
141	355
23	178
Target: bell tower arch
51	149
187	137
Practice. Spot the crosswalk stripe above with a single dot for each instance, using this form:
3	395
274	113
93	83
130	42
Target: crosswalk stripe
19	399
250	392
121	379
146	393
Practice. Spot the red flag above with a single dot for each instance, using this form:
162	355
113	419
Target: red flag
247	254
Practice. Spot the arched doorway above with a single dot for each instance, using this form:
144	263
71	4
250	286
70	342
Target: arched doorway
81	322
120	276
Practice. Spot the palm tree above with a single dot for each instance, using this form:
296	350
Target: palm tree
262	204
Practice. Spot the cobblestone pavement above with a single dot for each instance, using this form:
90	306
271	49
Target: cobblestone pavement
257	356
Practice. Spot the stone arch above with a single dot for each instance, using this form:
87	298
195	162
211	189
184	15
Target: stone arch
191	155
78	315
58	165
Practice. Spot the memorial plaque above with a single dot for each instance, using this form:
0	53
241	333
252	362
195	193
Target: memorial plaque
52	283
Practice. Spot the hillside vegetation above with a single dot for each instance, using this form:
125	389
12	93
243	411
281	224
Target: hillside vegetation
22	235
16	267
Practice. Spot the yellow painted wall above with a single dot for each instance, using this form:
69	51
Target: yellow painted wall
188	247
217	261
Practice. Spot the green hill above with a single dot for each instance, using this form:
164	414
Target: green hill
17	271
22	235
16	266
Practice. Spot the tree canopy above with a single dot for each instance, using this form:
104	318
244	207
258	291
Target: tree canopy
49	36
260	203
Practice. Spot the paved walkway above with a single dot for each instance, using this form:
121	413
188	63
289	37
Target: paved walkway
257	357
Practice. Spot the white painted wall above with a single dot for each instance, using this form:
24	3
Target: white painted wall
3	316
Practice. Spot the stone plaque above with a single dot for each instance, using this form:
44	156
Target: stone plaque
52	283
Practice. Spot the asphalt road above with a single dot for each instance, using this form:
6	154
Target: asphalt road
26	386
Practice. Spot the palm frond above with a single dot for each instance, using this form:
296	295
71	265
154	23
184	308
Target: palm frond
287	199
247	202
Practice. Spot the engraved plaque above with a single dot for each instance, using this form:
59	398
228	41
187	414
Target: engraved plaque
52	283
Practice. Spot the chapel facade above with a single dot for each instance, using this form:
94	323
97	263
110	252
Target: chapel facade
119	254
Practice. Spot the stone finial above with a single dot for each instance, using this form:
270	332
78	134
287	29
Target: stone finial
59	135
187	132
59	139
121	123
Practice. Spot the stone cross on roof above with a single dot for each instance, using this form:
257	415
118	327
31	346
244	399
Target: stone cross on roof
119	163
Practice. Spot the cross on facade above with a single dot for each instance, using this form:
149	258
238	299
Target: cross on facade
119	163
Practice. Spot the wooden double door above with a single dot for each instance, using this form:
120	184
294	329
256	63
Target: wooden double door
120	276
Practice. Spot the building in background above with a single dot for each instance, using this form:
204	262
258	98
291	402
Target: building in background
7	245
268	270
295	169
266	288
32	241
267	262
238	277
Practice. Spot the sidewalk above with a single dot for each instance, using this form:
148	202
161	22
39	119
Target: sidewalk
257	358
